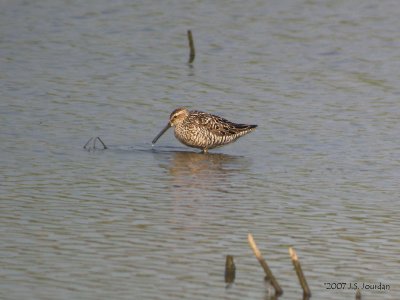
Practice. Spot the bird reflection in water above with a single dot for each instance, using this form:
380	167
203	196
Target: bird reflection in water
199	184
209	171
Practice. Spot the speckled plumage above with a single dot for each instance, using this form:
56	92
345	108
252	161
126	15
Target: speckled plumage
202	130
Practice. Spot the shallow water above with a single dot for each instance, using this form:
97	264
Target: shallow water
320	173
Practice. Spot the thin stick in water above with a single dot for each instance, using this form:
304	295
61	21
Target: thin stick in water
269	276
230	270
191	47
300	274
358	294
104	145
84	147
93	144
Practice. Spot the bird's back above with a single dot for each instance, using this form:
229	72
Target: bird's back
206	131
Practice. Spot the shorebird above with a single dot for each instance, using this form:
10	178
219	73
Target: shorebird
204	131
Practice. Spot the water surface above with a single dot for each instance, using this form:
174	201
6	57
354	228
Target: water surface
320	173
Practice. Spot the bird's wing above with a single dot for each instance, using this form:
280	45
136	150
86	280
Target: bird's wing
220	126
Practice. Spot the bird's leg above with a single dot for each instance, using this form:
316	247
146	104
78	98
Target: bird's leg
204	151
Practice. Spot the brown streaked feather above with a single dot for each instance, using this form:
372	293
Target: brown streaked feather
202	130
218	125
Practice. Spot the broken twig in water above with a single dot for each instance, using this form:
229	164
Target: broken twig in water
358	294
192	53
269	276
230	270
87	143
93	145
300	274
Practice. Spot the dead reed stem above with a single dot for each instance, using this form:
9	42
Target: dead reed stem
230	270
300	274
358	294
192	53
269	276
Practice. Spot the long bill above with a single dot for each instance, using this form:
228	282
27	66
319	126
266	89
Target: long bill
161	133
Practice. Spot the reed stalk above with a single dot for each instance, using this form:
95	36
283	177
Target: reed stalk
192	53
300	274
230	270
268	273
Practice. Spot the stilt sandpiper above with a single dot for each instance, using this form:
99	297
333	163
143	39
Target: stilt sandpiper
204	131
